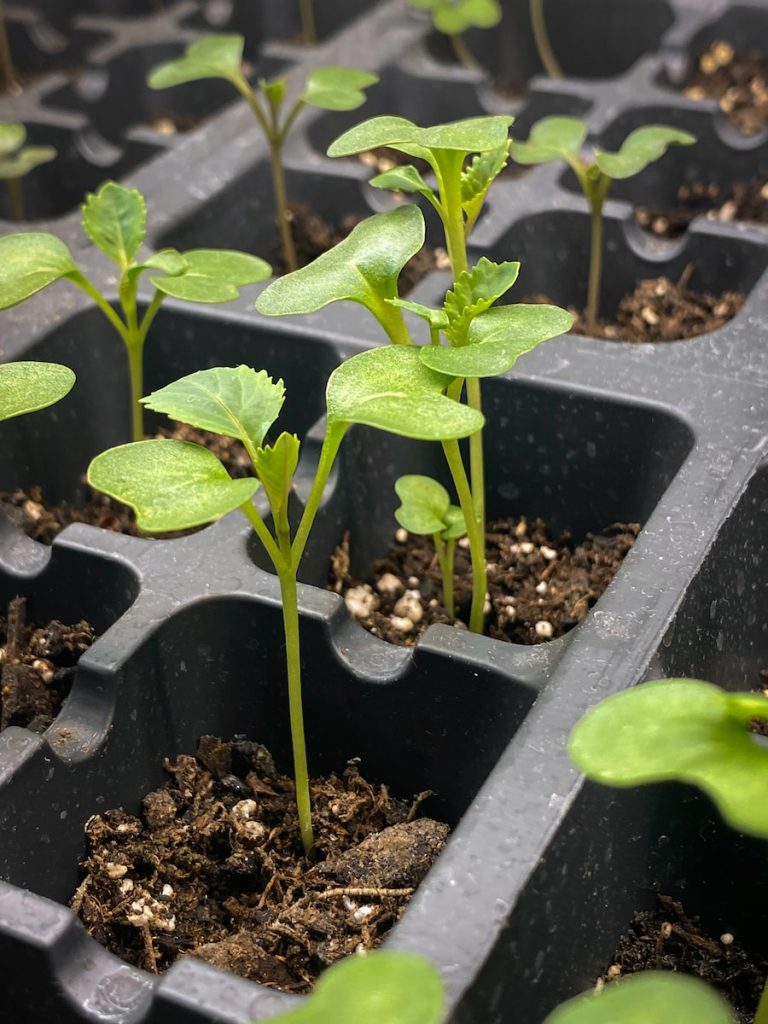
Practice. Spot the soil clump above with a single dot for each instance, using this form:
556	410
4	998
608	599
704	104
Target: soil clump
737	80
744	201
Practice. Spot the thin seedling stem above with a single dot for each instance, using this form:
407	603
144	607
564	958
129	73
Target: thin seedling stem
445	556
595	262
281	205
308	29
475	534
541	38
463	52
16	195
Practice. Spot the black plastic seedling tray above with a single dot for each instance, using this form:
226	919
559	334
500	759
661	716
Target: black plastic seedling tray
542	872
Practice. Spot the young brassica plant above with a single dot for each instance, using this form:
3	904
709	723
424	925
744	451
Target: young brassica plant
16	160
454	17
30	386
426	510
114	220
562	138
174	485
329	88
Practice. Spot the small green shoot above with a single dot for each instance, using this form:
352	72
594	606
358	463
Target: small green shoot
114	219
562	138
541	38
454	17
382	987
426	510
16	160
174	485
30	386
329	88
307	15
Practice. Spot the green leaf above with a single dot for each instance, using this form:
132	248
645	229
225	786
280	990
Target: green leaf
363	268
473	135
402	179
212	57
455	526
26	160
235	401
641	147
497	339
456	16
30	262
334	88
169	261
551	138
686	730
436	318
474	292
374	988
425	504
275	466
28	386
390	388
12	137
171	485
652	997
114	218
274	92
213	275
479	176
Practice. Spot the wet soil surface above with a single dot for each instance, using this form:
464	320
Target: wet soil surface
37	666
738	81
540	587
214	867
744	201
28	510
668	940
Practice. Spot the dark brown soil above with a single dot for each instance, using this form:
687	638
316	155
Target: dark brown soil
738	81
28	510
668	940
37	666
539	587
744	201
312	236
214	867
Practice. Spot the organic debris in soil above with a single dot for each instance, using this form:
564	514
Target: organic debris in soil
37	666
744	201
214	867
668	940
539	587
176	124
738	81
28	511
312	236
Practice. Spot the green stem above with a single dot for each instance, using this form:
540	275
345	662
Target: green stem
331	442
82	282
761	1016
266	538
281	204
448	170
541	38
476	457
150	315
135	345
308	30
445	552
474	533
391	319
7	70
463	52
16	194
596	201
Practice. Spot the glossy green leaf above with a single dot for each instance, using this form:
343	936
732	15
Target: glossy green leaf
26	160
235	401
424	504
473	135
474	292
333	88
401	179
29	386
497	339
551	138
171	485
641	147
652	997
374	988
390	388
479	176
12	137
213	275
275	466
212	57
363	268
436	318
30	262
114	218
686	730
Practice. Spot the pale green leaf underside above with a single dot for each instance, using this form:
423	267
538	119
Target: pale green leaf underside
375	988
30	262
334	88
26	160
214	57
12	137
425	503
401	179
640	148
362	268
686	730
275	466
551	138
390	388
498	338
436	318
473	135
653	997
171	485
29	386
235	401
213	275
114	218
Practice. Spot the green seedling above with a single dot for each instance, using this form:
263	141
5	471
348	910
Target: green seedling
541	38
114	220
426	510
562	138
374	988
174	485
16	160
454	17
327	88
30	386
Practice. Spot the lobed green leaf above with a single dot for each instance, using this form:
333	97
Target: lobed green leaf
114	218
171	485
641	147
212	57
472	135
29	262
479	176
551	138
334	88
474	292
213	275
275	466
29	386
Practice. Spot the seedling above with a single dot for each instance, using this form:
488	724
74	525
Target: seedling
16	160
541	38
174	485
327	88
114	219
454	17
30	386
426	510
561	138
